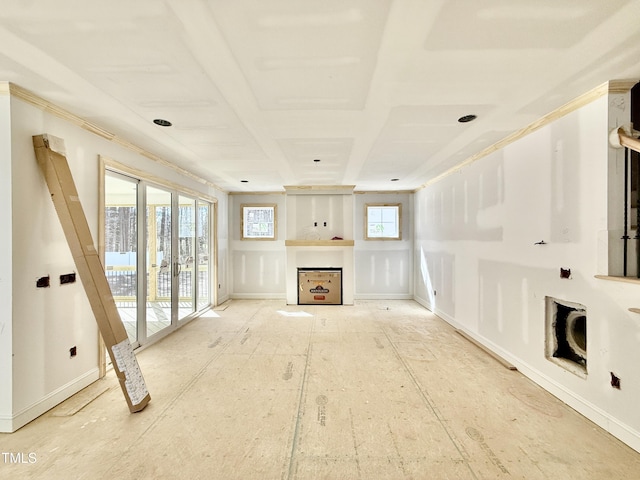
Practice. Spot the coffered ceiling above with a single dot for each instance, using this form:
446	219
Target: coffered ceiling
257	90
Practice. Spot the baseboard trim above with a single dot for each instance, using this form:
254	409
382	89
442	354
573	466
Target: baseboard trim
425	303
33	411
258	296
600	417
383	296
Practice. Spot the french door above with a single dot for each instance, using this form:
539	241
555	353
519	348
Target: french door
157	255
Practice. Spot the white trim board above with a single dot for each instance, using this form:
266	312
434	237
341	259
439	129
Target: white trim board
33	411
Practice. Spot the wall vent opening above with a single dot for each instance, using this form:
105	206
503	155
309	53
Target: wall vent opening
566	335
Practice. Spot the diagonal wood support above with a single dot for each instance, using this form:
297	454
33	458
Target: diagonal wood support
53	164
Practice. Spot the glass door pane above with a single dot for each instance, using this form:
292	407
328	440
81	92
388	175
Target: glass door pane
186	256
121	238
159	260
203	292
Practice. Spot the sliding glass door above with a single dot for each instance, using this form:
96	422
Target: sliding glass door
122	246
169	282
187	257
194	246
160	265
203	290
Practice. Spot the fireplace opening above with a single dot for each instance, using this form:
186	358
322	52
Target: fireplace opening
320	286
566	343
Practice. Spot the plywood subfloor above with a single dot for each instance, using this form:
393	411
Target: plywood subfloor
380	390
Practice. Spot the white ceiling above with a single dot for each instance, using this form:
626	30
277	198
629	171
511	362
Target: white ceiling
258	89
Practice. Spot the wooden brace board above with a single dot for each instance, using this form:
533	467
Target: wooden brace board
51	158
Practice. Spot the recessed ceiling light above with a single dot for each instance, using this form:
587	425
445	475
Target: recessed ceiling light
467	118
395	179
162	122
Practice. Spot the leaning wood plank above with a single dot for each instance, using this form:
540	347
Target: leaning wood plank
627	141
53	163
634	310
495	356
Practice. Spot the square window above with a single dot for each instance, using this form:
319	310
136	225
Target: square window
258	222
383	221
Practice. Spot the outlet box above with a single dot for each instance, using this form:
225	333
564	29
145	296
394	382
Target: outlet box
73	351
67	278
43	282
615	381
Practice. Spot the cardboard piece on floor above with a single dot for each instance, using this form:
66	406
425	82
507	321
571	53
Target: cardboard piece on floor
53	163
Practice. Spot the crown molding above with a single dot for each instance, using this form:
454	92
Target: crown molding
49	107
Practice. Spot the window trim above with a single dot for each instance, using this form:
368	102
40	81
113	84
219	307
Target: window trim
366	221
264	206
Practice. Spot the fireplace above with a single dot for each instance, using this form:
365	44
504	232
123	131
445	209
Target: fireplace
319	286
319	239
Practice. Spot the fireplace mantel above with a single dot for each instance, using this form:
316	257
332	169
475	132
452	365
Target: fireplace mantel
319	243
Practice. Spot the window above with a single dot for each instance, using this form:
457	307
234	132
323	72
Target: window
382	221
258	222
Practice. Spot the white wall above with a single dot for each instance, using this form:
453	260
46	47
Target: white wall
258	267
223	254
47	322
475	248
6	323
384	268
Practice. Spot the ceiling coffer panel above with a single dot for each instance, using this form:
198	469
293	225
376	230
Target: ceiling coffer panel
305	55
509	25
412	134
317	160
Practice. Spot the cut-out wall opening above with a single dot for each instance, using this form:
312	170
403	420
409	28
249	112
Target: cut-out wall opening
566	335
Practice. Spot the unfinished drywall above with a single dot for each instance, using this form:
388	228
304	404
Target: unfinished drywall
491	240
223	255
257	266
319	217
6	323
48	322
383	268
